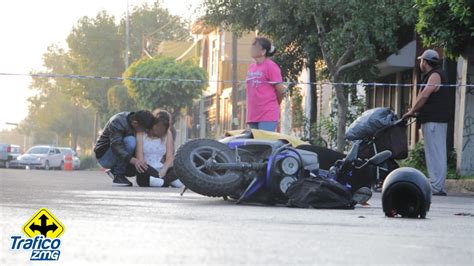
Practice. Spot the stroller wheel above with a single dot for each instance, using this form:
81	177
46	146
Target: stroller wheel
377	186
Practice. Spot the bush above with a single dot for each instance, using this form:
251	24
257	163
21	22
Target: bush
88	162
416	159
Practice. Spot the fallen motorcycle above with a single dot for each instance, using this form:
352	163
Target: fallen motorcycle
259	166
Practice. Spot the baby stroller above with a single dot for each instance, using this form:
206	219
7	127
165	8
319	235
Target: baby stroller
379	130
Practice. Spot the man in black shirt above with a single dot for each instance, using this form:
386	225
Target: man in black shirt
433	112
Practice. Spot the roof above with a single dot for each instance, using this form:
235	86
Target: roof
180	50
173	48
199	27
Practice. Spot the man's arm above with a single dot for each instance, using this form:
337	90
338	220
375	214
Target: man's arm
432	86
118	148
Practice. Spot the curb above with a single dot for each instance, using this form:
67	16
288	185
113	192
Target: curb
460	186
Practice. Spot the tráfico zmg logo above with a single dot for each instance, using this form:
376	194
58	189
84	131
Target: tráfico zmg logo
42	233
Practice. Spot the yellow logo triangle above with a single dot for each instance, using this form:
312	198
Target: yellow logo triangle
43	223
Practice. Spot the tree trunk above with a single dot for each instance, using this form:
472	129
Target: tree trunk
95	129
341	116
74	128
314	92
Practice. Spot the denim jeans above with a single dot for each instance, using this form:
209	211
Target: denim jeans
111	161
268	126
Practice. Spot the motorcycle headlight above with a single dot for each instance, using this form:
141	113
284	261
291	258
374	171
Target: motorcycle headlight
290	165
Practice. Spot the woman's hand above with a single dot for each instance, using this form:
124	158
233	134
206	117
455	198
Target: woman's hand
140	165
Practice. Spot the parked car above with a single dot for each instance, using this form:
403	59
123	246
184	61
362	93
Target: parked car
76	162
8	154
45	157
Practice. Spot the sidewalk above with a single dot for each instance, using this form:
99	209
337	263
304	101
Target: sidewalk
464	186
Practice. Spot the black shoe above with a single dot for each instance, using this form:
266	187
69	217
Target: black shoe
441	193
121	180
362	195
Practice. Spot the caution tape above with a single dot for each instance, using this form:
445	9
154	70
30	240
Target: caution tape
363	84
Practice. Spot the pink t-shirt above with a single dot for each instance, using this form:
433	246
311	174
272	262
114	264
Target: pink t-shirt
262	100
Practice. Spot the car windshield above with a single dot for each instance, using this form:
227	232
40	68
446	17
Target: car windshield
67	151
38	150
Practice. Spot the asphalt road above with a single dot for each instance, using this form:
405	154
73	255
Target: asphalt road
106	224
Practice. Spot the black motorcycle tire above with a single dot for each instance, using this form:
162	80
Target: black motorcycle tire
205	182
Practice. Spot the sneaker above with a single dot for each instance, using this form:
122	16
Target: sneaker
362	195
441	193
156	181
177	183
121	180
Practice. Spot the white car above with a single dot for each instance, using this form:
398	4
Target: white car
76	162
8	155
46	157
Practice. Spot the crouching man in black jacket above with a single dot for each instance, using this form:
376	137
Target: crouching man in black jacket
115	147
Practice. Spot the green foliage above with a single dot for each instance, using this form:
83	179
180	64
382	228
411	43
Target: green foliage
65	108
328	128
315	133
297	107
275	19
170	94
119	100
416	159
156	24
54	112
58	106
446	23
356	105
368	28
349	35
95	48
88	162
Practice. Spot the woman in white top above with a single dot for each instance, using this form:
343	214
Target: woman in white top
156	147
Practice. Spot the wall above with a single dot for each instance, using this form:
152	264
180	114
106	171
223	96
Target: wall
464	118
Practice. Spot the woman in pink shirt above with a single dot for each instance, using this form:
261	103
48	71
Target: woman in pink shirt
265	89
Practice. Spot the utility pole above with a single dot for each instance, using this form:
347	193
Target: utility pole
235	84
127	39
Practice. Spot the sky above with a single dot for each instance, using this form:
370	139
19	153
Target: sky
27	28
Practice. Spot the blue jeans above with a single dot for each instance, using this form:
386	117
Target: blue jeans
111	161
268	126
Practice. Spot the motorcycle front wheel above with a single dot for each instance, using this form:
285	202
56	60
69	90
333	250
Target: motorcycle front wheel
190	166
